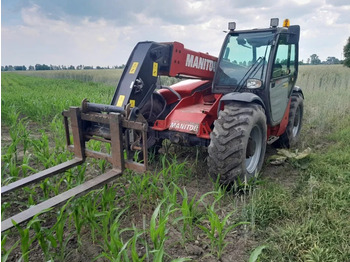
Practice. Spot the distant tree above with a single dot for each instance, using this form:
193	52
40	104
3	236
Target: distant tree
314	59
88	67
119	67
42	67
2	68
71	67
332	60
20	68
347	53
31	68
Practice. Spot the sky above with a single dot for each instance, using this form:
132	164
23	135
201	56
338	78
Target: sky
104	32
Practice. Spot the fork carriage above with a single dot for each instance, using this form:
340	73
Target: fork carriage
123	129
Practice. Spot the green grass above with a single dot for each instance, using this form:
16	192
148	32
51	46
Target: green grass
42	99
310	222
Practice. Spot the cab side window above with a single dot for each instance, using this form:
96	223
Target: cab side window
284	63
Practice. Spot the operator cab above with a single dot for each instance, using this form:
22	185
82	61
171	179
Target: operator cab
260	61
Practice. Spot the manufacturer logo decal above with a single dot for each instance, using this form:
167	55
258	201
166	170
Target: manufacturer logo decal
200	63
184	127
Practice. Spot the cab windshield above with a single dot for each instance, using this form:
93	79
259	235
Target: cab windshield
245	55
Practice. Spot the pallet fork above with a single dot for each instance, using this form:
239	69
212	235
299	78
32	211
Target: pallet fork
109	124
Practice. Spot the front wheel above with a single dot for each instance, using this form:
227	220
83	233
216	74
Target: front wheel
238	142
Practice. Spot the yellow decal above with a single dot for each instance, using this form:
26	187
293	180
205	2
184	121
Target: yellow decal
133	67
132	103
155	69
120	100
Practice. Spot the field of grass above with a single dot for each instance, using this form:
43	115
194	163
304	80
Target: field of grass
299	211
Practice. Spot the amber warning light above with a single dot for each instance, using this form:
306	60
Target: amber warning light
286	23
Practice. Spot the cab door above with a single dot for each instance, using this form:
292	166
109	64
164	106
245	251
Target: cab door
283	77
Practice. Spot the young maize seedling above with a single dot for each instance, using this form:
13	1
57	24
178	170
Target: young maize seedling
218	230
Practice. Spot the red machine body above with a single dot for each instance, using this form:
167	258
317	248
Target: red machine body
197	110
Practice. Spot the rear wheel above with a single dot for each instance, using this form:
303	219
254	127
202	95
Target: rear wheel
238	142
290	137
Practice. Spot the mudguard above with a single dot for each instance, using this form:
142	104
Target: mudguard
297	89
241	97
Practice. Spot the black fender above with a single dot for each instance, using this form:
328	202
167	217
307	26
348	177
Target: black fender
241	97
297	89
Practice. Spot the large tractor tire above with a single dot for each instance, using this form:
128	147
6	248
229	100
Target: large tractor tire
290	137
238	142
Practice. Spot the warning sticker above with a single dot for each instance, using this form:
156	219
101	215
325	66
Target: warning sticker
132	103
155	69
120	100
133	68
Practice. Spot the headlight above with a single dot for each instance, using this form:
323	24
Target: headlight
254	83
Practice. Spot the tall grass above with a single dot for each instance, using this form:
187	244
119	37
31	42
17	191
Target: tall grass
108	77
327	95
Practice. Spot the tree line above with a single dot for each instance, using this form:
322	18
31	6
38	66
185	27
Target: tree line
55	67
312	60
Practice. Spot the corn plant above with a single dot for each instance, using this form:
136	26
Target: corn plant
78	219
219	228
171	192
44	237
89	204
45	187
32	194
132	245
80	176
190	214
6	252
14	170
25	165
42	150
58	231
26	241
142	188
173	171
115	248
4	206
158	223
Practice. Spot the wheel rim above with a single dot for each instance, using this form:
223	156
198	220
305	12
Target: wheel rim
254	146
296	124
